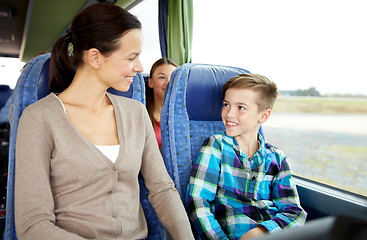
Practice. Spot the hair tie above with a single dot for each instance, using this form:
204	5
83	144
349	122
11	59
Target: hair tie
68	36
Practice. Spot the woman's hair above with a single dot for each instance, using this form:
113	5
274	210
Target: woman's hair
266	89
99	26
149	95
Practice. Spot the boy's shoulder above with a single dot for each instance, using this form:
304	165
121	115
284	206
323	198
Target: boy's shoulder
274	154
270	148
219	138
213	141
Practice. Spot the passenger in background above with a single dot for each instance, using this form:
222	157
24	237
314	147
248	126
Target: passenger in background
80	149
159	77
241	186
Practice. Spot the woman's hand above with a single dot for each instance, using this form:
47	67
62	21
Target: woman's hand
255	232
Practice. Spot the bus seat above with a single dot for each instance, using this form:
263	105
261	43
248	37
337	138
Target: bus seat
191	113
5	93
5	102
4	111
32	85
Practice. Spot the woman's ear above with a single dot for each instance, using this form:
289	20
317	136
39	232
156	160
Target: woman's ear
94	58
265	115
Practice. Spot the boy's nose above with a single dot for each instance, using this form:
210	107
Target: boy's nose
230	113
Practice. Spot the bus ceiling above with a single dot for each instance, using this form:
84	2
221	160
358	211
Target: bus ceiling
29	27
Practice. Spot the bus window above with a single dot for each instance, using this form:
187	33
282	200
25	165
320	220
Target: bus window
147	13
315	52
10	70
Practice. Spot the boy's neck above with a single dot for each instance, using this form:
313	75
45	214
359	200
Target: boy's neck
248	145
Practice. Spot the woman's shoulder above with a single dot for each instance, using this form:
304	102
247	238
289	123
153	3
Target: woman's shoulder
44	110
47	103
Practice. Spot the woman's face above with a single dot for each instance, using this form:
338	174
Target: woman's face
160	79
119	68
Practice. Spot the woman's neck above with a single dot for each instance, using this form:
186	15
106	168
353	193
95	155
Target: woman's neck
85	91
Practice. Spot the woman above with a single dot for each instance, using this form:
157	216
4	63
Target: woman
80	149
159	77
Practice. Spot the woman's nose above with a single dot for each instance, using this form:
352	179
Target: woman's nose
138	67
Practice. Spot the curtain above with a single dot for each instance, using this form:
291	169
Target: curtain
176	43
162	25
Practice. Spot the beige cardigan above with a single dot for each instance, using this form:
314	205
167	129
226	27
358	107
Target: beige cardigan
65	188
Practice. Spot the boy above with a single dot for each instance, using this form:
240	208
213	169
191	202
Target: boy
240	186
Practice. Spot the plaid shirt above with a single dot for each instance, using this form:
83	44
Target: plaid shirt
229	193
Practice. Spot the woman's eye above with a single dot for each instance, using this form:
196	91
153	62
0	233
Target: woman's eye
225	104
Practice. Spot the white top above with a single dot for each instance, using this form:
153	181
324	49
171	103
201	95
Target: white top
110	151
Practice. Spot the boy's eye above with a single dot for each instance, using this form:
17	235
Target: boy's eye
242	108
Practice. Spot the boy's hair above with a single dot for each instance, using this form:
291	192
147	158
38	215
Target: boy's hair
267	89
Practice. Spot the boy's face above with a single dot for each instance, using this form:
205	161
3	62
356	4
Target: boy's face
240	113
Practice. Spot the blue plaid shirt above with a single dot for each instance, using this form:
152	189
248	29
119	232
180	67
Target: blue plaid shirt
229	194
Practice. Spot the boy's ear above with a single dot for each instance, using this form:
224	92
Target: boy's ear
94	58
265	115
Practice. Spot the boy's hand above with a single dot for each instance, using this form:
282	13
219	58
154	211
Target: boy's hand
255	232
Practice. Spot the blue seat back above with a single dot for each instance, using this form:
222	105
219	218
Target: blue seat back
191	113
32	85
4	111
5	93
5	102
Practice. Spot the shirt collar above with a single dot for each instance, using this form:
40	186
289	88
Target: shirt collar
232	141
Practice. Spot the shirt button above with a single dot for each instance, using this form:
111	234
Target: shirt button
253	178
114	168
114	215
110	192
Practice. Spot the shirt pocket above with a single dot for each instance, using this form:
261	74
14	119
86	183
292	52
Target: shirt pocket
265	187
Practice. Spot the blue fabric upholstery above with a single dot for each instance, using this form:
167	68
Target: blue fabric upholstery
5	102
5	93
191	113
4	111
32	85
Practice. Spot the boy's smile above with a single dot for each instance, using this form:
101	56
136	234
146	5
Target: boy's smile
230	124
